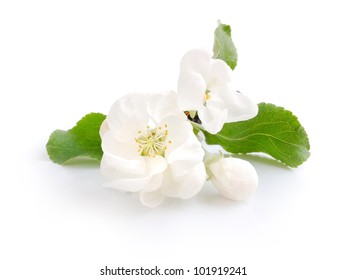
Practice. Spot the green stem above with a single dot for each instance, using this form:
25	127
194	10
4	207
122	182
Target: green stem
197	126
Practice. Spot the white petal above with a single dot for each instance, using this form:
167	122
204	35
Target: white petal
194	68
191	89
197	60
178	129
183	159
129	184
169	185
155	165
131	167
219	74
155	183
151	199
192	182
162	105
123	181
185	186
128	115
104	128
239	106
234	178
122	156
213	116
107	170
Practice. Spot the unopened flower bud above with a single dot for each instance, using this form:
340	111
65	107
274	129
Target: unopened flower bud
234	178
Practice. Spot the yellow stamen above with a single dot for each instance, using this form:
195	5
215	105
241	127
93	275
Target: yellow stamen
152	142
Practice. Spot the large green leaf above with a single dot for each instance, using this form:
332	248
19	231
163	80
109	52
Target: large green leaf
223	45
83	140
274	131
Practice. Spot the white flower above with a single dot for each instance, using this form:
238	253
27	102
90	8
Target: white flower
203	86
150	149
234	178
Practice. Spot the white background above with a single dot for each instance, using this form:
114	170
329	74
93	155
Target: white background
62	59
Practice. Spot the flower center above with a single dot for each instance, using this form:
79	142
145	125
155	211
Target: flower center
206	97
153	141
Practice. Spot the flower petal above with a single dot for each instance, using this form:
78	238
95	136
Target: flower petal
185	186
178	131
155	165
169	185
155	183
192	85
239	106
191	89
213	115
234	178
196	60
151	199
161	105
219	74
128	115
104	128
193	182
123	181
122	156
183	159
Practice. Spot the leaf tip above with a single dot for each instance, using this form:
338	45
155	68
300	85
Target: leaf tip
50	146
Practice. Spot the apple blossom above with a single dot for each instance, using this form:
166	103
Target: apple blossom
204	86
234	178
150	149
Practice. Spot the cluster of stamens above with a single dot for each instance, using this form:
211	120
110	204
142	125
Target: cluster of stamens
153	141
206	97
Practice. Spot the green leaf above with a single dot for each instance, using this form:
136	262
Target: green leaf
83	140
223	45
274	131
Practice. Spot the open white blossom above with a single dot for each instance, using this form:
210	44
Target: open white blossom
234	178
204	86
150	149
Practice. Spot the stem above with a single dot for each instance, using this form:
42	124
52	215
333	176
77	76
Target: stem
197	126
